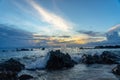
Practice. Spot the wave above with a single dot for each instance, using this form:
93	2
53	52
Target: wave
39	63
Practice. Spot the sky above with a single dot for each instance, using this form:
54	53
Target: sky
57	22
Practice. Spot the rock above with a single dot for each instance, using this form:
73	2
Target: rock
8	76
11	65
109	58
105	58
91	59
116	70
31	49
25	77
9	69
43	48
58	60
97	59
85	59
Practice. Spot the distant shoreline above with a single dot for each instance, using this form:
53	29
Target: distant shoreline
43	48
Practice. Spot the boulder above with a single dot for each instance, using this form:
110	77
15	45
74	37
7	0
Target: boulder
25	77
87	59
106	57
8	76
116	70
9	69
11	65
58	60
97	58
91	59
109	57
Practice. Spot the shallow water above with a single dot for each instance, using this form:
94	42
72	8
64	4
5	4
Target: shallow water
83	72
78	72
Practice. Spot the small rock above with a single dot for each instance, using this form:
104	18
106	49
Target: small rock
43	48
25	77
116	70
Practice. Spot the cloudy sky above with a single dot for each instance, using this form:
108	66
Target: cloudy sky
57	22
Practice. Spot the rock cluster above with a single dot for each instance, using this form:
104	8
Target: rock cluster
105	58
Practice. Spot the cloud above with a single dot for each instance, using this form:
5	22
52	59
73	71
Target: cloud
112	37
64	36
46	36
12	37
113	34
115	28
91	33
54	20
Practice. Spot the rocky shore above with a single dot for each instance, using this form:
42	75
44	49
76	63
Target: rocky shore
57	60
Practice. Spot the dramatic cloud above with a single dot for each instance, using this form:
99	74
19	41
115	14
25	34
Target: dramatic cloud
112	37
115	28
113	34
11	37
56	21
91	33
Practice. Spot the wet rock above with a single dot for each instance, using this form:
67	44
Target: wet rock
91	59
31	49
88	59
8	75
109	57
116	70
9	69
105	58
97	58
59	60
11	65
43	48
25	77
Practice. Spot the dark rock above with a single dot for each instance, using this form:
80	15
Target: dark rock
31	49
25	77
43	48
59	60
97	58
23	49
11	65
8	76
89	59
9	69
116	70
109	58
105	58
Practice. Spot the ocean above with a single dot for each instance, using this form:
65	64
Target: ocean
37	59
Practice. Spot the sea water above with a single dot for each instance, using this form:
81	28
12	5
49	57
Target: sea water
37	59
